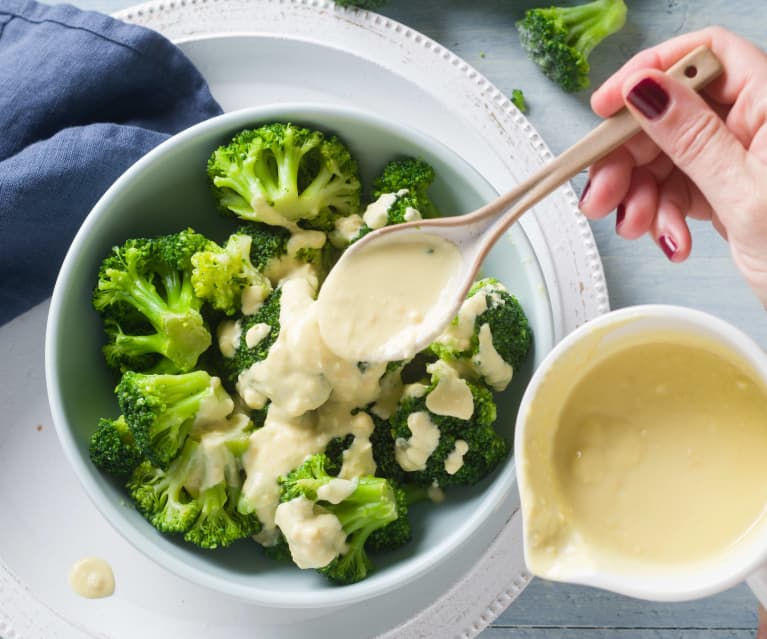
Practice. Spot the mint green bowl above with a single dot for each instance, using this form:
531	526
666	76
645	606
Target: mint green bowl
167	191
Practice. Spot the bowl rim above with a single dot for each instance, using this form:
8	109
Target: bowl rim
406	571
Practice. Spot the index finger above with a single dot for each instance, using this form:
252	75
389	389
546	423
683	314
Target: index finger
741	59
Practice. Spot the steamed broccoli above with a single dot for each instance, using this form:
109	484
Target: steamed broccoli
151	314
412	174
225	276
490	319
282	174
482	449
112	447
245	355
197	495
560	39
371	506
272	253
162	409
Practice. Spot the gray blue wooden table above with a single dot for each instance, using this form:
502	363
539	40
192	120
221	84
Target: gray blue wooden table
482	32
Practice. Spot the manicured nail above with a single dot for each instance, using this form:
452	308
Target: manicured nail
668	245
585	192
649	98
620	214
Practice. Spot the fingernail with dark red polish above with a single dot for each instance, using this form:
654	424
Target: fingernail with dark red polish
668	245
649	98
620	214
585	192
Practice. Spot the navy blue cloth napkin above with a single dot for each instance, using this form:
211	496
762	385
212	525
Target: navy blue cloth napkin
82	97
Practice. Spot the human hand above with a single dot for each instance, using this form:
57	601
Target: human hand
700	156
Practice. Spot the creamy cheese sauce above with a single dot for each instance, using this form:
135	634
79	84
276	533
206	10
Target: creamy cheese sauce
454	461
451	396
391	305
377	213
490	365
336	490
256	333
213	408
413	453
315	537
92	578
228	333
647	461
346	230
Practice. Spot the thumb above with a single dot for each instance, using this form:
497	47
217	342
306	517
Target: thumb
686	129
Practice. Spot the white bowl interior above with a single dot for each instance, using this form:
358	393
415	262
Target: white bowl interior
167	191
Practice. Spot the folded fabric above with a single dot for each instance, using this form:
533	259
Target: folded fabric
82	97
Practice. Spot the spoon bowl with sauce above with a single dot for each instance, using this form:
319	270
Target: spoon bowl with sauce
640	447
397	314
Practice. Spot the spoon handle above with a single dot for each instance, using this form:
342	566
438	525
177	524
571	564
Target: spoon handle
696	70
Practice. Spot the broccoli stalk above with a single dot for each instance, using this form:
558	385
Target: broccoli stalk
162	409
281	174
371	506
560	39
145	286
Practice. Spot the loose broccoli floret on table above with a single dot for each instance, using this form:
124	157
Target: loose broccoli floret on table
518	100
483	447
112	447
560	39
197	494
491	323
225	277
371	506
161	410
412	174
282	174
146	298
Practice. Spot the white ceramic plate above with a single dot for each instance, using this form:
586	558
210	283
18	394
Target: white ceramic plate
256	52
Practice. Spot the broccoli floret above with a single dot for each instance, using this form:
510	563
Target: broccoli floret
560	39
412	174
483	447
112	447
162	409
151	314
382	443
397	533
371	506
490	316
518	100
197	495
272	255
388	209
362	4
226	278
245	356
281	174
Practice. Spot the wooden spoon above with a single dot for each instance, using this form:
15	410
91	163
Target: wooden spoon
475	233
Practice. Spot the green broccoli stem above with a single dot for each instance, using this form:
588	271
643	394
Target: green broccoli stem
141	294
371	506
590	23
